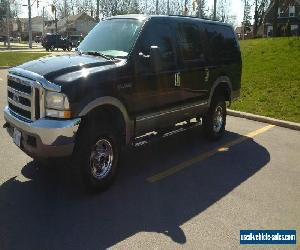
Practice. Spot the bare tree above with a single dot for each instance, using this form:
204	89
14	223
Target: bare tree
15	8
259	13
223	12
115	7
201	9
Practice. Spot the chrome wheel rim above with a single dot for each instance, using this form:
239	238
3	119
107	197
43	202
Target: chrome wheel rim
101	159
218	119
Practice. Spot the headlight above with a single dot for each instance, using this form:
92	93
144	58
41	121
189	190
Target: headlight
57	105
57	101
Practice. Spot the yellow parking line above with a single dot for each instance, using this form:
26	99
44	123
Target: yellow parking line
204	156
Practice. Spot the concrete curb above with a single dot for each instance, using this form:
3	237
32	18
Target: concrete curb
20	48
265	119
5	67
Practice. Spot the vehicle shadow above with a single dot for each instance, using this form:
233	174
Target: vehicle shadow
51	211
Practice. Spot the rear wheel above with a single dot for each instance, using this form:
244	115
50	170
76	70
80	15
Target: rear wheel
214	121
99	150
69	48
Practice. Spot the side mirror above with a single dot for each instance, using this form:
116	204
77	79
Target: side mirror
155	58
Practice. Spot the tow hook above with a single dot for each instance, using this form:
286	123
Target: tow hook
6	125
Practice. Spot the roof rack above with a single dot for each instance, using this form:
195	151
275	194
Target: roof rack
203	18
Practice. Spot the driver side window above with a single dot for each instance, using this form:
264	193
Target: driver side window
159	34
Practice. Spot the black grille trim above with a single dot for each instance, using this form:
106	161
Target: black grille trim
22	100
26	114
19	86
37	104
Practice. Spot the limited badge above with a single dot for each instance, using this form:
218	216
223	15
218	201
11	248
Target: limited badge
177	79
206	78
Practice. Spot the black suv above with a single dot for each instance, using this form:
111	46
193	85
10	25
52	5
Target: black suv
75	40
131	75
56	41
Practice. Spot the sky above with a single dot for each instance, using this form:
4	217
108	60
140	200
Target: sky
236	9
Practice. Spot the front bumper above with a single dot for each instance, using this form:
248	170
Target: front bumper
44	137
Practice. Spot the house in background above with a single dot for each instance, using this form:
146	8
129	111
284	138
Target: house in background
79	24
13	28
288	18
22	27
247	34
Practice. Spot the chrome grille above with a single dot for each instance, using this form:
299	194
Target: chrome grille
21	96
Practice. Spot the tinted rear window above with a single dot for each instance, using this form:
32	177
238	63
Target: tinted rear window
222	43
189	42
52	37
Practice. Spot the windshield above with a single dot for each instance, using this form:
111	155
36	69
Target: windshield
114	37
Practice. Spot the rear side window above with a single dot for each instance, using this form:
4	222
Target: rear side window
222	43
189	42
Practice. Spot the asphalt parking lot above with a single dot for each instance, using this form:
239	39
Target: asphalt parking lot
182	192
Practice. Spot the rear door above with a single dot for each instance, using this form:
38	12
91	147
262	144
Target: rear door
194	74
223	53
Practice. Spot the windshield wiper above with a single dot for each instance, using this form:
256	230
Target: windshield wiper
97	53
78	51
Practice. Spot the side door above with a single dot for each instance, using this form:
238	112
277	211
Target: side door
154	92
194	73
59	41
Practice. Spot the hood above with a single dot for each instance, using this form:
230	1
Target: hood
52	67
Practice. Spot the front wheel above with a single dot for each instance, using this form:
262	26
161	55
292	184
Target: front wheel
99	152
214	121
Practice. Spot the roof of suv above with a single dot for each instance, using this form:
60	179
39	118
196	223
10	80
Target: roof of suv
143	17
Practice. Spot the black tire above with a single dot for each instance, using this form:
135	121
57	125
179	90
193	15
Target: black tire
89	136
47	49
64	49
214	121
69	48
52	48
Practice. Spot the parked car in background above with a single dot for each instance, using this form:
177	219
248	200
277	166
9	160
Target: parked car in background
75	40
37	39
56	41
4	39
15	39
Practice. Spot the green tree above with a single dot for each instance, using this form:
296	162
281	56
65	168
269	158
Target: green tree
247	16
2	9
202	8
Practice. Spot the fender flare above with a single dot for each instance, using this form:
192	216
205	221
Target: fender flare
220	80
109	100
